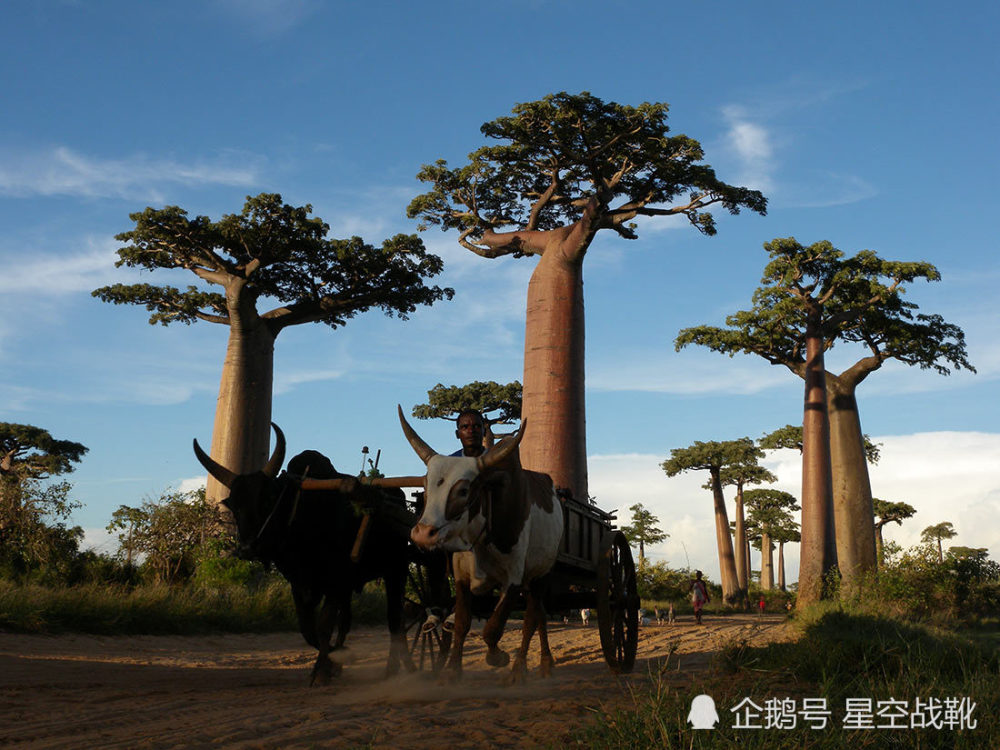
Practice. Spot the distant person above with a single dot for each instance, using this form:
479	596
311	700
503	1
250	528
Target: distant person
670	614
585	617
469	429
699	595
761	605
658	614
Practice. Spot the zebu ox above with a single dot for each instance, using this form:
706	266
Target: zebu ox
308	535
504	525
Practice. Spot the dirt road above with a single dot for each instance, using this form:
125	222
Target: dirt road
251	691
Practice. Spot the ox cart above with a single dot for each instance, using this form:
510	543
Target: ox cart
593	570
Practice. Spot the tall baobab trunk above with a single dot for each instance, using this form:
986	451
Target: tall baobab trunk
766	562
731	590
742	546
818	546
242	430
879	546
553	395
852	491
781	566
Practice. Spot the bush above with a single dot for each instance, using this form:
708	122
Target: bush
839	656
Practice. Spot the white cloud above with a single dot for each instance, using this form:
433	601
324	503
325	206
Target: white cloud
687	373
48	274
285	382
750	142
946	476
62	171
268	17
191	484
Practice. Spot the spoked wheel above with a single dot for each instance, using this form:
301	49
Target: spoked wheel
617	603
426	609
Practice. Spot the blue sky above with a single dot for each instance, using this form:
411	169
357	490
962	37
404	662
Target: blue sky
869	125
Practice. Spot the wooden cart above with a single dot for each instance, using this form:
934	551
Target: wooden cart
593	570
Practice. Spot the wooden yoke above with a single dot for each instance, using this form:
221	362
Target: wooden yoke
347	484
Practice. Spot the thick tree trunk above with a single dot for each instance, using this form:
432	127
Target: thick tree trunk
731	590
766	562
852	491
242	431
818	546
781	566
742	547
555	441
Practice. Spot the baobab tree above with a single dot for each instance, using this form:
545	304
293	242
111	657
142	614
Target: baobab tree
739	476
769	509
270	250
714	456
934	534
643	530
30	454
567	167
888	512
787	531
499	404
811	298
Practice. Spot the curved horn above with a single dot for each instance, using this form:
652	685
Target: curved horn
496	456
221	473
277	458
422	449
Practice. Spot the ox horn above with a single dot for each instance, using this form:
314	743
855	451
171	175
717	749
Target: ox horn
496	456
226	477
273	465
422	449
221	473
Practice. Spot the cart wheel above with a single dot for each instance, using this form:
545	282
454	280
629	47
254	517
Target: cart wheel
425	612
617	603
430	639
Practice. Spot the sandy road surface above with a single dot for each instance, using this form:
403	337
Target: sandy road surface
251	691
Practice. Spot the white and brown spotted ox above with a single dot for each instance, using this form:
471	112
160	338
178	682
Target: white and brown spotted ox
504	525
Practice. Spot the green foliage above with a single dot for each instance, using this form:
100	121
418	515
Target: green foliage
891	512
711	455
167	533
446	402
643	530
270	250
790	436
770	512
564	153
857	299
937	532
35	541
29	452
839	655
152	609
656	582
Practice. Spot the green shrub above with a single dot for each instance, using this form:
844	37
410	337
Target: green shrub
839	656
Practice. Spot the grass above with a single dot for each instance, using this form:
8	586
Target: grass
840	656
160	610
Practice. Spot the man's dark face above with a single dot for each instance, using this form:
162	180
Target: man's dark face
470	432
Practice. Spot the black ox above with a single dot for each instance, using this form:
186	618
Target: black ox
309	535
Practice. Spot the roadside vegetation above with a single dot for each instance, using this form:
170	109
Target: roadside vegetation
173	572
921	642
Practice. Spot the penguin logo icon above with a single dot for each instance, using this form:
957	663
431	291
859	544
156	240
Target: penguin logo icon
703	714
